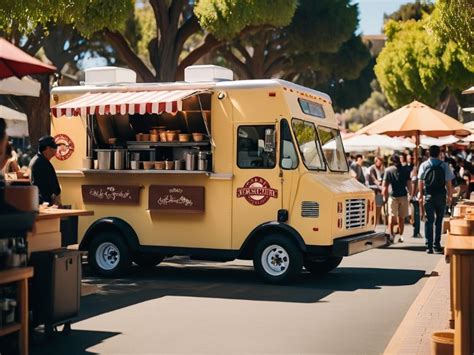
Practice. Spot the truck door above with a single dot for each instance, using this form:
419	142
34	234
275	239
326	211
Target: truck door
256	184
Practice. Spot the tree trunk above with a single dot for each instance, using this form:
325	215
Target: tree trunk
37	111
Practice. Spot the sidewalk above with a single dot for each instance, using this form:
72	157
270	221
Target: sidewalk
429	312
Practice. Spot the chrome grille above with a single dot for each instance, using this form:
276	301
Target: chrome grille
355	213
310	209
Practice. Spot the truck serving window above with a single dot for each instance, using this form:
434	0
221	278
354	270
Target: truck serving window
252	150
333	148
288	155
305	133
312	108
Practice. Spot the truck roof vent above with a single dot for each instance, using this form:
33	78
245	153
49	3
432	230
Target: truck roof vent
206	73
109	75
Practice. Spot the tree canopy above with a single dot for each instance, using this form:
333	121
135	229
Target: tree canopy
173	23
416	65
411	11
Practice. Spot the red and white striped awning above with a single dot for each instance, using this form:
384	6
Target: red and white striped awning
130	102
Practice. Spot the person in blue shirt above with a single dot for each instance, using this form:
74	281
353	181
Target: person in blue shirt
435	189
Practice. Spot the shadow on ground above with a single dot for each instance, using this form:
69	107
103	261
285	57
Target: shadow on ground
238	282
75	343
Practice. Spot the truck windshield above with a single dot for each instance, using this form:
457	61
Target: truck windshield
305	133
333	149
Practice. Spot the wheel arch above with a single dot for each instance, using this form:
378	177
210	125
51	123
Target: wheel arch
274	227
114	224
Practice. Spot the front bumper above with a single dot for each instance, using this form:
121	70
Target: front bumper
358	243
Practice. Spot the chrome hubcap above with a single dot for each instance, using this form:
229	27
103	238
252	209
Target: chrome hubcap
107	256
275	260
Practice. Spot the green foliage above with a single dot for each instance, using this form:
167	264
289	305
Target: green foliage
323	25
227	18
375	107
416	65
86	15
453	20
411	11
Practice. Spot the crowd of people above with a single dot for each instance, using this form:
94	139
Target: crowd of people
404	193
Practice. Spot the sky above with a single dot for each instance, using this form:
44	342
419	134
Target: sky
371	14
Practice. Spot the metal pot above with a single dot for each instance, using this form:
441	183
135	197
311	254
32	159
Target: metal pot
105	158
119	159
203	161
191	160
178	165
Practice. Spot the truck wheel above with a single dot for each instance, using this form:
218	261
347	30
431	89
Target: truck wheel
109	255
323	265
147	260
277	259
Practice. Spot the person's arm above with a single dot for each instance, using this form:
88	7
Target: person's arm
385	190
409	188
449	189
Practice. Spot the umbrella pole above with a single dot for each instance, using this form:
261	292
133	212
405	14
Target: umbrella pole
417	147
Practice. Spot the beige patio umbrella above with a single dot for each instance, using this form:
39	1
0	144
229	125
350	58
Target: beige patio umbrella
413	120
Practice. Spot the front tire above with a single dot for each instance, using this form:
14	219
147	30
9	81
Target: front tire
322	265
108	255
277	260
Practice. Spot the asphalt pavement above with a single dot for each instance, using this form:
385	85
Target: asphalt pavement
194	307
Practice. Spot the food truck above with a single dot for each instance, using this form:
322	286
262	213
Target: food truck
212	168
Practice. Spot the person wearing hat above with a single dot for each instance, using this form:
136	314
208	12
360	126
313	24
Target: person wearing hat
43	174
396	187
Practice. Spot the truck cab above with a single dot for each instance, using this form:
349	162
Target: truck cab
275	187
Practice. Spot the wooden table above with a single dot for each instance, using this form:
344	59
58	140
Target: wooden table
20	276
46	234
461	252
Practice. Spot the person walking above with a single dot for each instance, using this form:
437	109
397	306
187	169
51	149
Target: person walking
415	204
435	191
43	174
357	170
376	172
396	188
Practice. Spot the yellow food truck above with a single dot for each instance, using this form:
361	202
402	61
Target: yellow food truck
213	168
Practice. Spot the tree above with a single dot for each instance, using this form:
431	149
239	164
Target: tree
320	34
416	65
411	11
453	20
175	21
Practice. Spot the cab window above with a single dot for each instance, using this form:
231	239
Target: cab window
308	143
288	155
253	151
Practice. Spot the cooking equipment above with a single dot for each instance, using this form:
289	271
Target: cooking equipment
135	156
119	159
169	165
148	165
105	158
139	137
198	137
154	137
184	137
178	165
88	163
159	165
135	165
203	161
162	136
146	137
171	136
112	141
191	160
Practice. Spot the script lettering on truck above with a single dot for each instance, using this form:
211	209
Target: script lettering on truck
176	199
111	194
257	191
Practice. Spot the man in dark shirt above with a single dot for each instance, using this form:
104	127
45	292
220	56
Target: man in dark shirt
356	168
397	184
43	174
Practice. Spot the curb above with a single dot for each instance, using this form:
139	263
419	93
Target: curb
401	333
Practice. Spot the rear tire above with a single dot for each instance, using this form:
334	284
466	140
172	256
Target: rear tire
322	265
147	260
277	260
109	255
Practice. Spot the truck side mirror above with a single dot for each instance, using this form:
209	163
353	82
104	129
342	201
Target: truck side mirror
287	163
269	140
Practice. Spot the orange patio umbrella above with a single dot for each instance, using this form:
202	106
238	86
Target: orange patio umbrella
413	120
